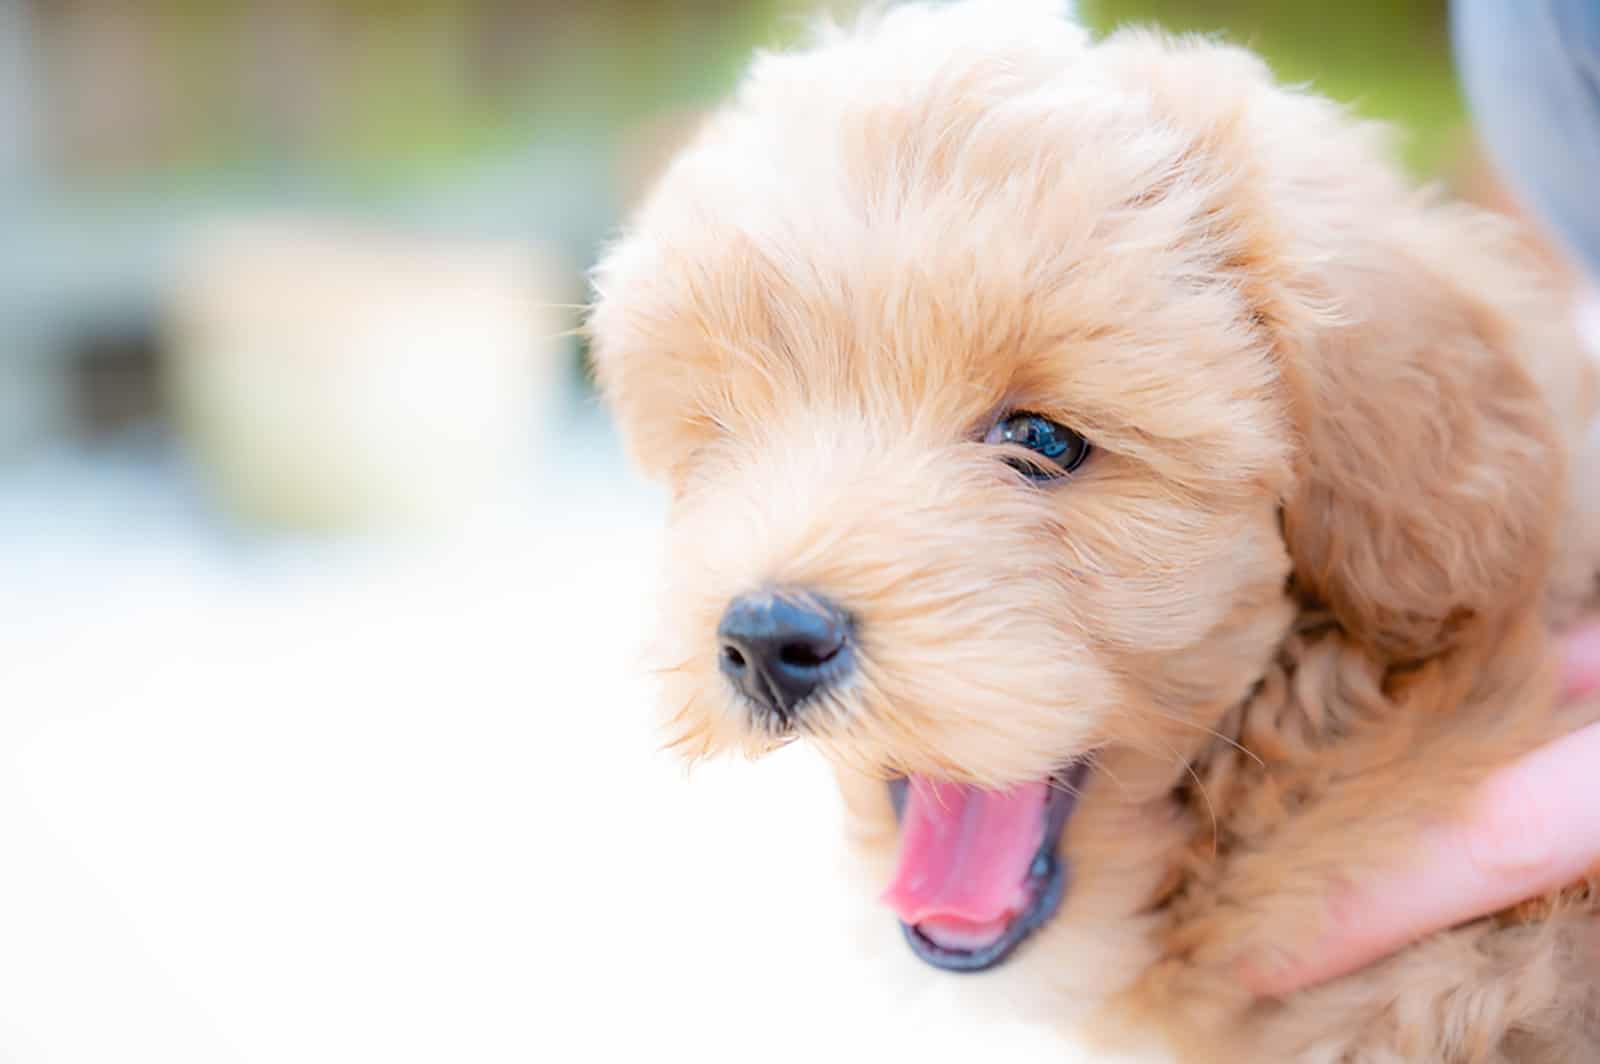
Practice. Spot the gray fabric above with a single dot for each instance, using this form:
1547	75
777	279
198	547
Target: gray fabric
1531	73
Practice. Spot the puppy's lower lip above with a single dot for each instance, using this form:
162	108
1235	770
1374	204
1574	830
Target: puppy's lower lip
979	870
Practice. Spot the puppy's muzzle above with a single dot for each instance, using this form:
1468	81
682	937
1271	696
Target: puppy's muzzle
781	649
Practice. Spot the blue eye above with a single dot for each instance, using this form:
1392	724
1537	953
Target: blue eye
1063	448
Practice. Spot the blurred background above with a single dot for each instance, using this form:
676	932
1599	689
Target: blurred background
321	576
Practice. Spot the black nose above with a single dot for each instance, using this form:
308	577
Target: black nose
781	649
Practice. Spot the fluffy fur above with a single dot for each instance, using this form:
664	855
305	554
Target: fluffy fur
1296	603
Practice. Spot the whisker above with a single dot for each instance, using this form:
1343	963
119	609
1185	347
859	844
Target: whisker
1092	758
677	717
1208	731
680	735
1205	796
1121	784
901	734
1211	809
1056	784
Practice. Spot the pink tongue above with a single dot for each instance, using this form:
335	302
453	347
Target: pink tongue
964	858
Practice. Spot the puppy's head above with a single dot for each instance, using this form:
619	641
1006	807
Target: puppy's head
1002	380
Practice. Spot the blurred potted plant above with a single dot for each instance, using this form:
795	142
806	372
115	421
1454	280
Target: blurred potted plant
331	376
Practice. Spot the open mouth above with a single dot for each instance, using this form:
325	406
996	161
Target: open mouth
978	869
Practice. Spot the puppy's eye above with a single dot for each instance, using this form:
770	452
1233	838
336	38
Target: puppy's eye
1065	449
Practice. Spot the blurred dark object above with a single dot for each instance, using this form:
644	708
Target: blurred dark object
116	383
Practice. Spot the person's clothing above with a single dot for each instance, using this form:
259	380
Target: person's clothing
1531	73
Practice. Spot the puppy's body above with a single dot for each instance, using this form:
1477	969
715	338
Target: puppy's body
1292	607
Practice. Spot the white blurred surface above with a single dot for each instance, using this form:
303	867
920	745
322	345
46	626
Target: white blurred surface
280	802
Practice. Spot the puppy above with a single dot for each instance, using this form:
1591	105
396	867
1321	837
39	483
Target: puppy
1151	506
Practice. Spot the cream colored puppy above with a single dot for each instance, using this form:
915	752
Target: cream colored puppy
1149	503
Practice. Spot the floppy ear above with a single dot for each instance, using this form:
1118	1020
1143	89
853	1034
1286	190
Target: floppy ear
1431	472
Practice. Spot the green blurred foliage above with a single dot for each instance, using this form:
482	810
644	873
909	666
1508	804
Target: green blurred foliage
1389	59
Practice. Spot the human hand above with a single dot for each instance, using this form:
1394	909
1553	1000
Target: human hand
1533	827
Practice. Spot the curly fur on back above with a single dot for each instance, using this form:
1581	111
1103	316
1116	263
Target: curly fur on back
1295	606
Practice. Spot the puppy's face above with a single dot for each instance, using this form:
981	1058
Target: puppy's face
978	436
